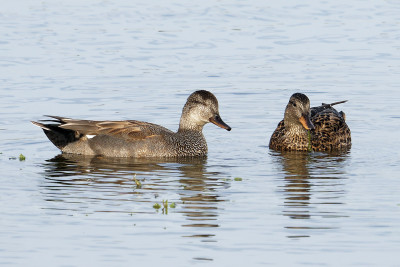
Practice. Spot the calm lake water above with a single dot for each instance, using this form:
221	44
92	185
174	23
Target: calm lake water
243	204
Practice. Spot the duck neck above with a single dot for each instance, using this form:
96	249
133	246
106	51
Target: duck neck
191	139
193	131
295	130
187	124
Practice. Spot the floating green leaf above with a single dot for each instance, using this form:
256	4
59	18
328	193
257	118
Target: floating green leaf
21	157
238	179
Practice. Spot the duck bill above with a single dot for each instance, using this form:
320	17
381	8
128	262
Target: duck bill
220	123
306	122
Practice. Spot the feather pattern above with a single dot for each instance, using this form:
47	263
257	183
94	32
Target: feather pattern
329	133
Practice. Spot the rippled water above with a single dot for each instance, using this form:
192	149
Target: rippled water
243	204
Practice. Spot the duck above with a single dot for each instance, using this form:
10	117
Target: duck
137	139
320	128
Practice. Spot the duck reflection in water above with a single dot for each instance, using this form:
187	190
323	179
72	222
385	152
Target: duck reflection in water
102	183
313	186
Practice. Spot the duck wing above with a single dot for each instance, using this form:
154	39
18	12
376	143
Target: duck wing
331	131
275	141
129	130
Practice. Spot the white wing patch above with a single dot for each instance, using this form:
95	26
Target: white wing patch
90	136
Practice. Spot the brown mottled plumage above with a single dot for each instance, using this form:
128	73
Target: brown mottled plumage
329	131
136	138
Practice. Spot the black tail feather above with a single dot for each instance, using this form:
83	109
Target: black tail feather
58	136
316	110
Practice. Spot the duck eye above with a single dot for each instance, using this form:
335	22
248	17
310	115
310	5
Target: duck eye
293	104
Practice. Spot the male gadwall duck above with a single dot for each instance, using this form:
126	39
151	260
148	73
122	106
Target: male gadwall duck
138	139
321	128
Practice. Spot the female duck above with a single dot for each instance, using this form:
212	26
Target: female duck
320	128
136	138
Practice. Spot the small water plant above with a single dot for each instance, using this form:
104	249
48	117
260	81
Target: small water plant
238	179
21	157
137	182
164	206
165	203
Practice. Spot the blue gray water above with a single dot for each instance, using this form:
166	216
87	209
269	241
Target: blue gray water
243	204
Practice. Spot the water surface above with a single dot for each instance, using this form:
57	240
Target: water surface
243	204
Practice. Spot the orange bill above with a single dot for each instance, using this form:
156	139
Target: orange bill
306	122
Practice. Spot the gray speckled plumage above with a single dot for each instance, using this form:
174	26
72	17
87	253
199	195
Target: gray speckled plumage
327	126
136	138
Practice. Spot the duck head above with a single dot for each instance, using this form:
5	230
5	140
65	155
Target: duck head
297	113
201	107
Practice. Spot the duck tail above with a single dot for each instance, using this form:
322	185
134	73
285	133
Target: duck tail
334	103
58	136
324	106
